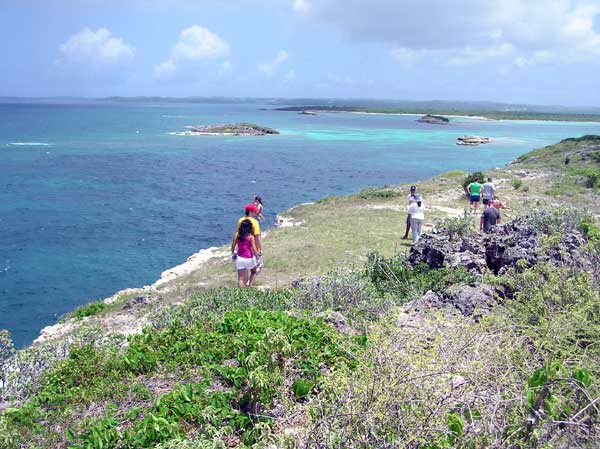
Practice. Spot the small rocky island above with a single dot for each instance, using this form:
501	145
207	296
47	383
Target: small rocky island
472	140
236	129
308	113
434	119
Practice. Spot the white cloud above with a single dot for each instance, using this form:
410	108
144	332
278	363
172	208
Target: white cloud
345	80
290	75
225	67
407	56
196	43
165	68
96	49
269	68
301	6
467	31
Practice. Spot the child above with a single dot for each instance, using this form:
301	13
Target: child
258	203
245	258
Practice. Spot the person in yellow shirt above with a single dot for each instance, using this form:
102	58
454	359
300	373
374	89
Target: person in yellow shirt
251	213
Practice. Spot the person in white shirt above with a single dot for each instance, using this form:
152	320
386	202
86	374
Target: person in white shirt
417	215
412	198
489	191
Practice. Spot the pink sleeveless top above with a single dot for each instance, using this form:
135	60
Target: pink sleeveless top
245	248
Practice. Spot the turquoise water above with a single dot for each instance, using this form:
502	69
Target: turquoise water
99	197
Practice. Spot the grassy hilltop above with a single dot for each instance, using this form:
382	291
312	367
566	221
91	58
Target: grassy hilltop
345	342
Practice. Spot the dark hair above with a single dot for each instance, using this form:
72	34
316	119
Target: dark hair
258	198
489	179
245	230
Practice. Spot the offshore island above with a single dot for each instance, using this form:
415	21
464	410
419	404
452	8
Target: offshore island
463	339
235	129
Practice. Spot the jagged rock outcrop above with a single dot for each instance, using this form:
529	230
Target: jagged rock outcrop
503	248
434	119
466	299
519	243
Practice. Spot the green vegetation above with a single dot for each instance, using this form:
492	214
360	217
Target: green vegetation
495	115
326	356
394	276
379	193
456	226
473	177
90	309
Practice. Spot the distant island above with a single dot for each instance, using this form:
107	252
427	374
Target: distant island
434	119
472	140
568	115
236	129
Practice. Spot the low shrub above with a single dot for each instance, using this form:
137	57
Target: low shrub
396	276
379	193
455	226
7	348
472	177
516	183
91	309
589	175
553	221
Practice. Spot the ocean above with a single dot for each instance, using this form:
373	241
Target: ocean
98	197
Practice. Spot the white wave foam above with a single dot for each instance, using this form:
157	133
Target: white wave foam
174	116
31	144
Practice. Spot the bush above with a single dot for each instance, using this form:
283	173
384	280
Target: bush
552	221
379	193
472	177
7	348
455	226
516	183
396	276
91	309
590	176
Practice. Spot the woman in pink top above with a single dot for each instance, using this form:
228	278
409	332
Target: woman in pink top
245	258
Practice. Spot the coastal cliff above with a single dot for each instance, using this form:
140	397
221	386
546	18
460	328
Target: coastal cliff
494	336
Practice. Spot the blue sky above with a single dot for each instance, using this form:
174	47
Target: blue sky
538	51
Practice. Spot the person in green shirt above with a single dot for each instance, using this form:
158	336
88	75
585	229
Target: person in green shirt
474	190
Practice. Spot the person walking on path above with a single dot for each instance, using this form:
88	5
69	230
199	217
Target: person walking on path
413	197
247	252
489	191
251	211
259	204
474	190
416	212
490	217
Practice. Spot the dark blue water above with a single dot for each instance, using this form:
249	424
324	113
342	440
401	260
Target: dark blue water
96	198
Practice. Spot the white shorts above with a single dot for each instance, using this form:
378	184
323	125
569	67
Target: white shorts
241	263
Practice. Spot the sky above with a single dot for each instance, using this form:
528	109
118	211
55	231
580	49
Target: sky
514	51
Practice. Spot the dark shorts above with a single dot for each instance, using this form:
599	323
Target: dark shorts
475	198
486	201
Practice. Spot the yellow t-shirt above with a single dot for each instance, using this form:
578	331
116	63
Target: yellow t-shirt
255	225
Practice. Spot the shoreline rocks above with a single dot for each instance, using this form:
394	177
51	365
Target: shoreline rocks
434	119
472	140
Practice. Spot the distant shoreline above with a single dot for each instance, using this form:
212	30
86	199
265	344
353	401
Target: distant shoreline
476	115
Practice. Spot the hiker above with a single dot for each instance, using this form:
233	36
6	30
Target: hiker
416	211
413	197
246	255
474	190
251	211
489	190
490	217
259	204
